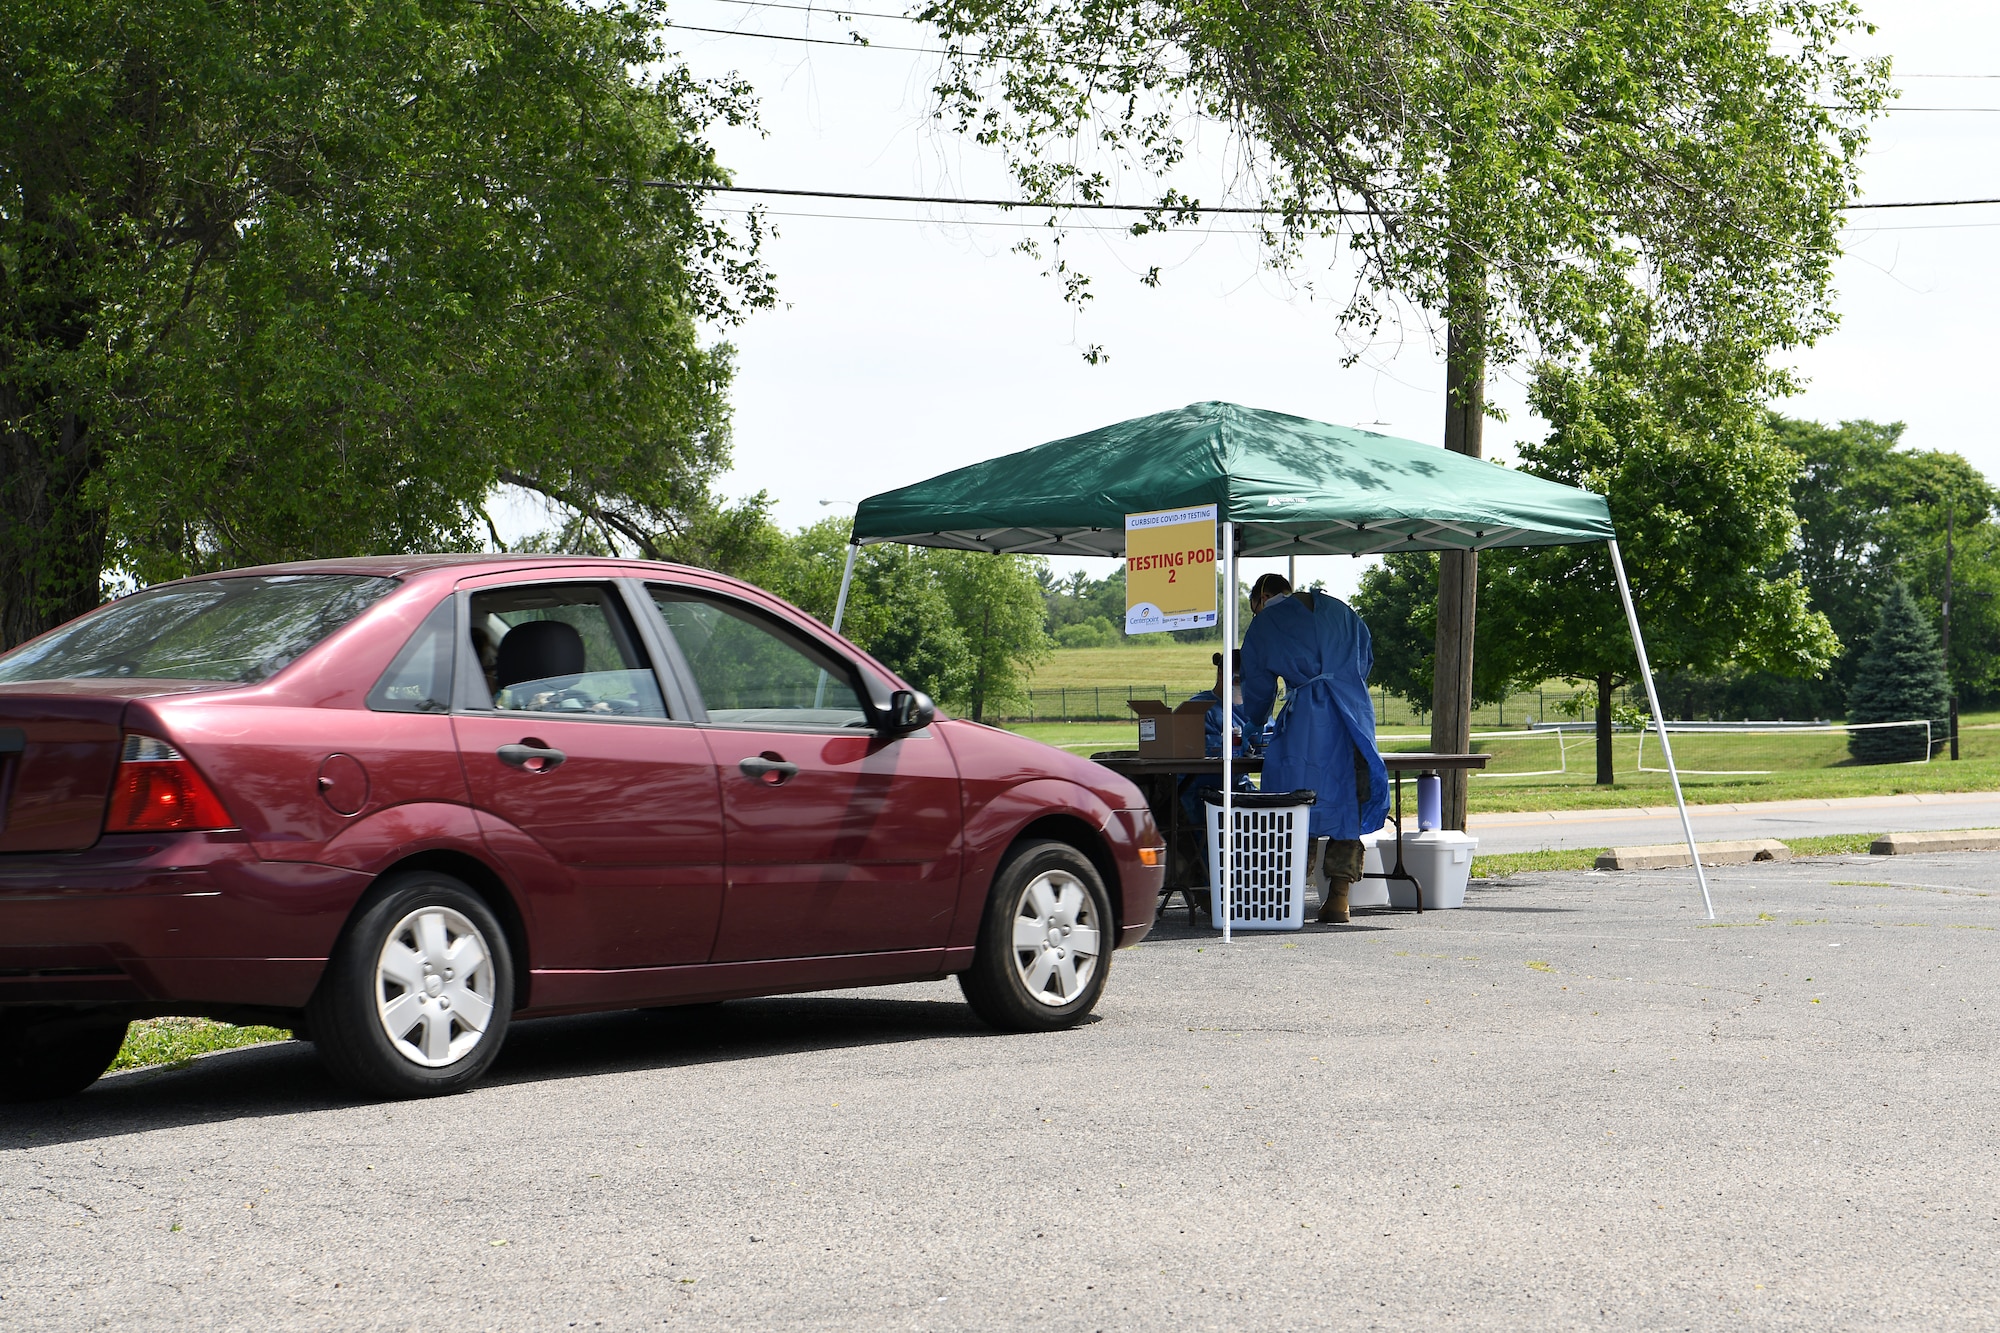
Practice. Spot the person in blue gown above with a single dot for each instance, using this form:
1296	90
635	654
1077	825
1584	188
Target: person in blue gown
1325	737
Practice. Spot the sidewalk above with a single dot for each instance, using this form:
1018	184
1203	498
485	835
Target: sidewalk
1539	830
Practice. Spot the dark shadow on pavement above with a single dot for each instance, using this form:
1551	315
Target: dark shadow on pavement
285	1078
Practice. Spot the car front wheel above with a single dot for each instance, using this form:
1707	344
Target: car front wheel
1045	942
416	999
47	1053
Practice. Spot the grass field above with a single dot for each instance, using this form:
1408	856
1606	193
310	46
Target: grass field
1798	767
1169	665
170	1041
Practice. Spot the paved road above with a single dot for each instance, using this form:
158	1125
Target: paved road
1719	823
1574	1104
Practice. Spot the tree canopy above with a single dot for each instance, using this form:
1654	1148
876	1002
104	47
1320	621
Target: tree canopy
281	280
963	626
1524	169
1699	488
1872	512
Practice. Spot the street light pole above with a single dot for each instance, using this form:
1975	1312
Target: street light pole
1950	681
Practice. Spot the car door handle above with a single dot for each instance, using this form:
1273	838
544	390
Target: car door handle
772	772
531	755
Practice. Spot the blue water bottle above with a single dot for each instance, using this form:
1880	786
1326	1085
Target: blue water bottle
1430	802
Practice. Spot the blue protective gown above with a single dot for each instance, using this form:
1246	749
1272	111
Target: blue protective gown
1324	654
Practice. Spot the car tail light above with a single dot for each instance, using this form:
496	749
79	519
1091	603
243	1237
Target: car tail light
157	790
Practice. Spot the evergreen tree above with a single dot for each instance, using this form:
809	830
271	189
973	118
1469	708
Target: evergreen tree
1901	678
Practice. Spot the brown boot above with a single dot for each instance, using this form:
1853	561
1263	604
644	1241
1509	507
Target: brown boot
1333	903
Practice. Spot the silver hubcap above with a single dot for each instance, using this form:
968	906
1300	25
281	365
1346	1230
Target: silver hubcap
1055	937
434	986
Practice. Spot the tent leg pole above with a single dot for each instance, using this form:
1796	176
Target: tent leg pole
846	581
1228	692
1660	722
839	610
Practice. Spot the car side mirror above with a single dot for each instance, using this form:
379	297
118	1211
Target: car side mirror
909	710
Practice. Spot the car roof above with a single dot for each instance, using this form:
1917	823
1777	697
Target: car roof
403	566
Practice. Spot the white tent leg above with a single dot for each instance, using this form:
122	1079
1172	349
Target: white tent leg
846	580
839	610
1227	905
1660	721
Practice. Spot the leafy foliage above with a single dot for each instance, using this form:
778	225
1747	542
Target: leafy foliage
1674	438
1698	488
283	279
1873	512
1398	600
962	626
1529	168
1900	678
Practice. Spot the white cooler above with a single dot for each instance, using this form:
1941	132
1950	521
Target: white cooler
1440	859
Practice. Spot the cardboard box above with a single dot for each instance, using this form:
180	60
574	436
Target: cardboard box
1171	733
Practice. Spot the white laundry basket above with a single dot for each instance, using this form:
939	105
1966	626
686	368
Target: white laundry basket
1268	850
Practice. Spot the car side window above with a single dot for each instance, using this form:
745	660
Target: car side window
419	680
561	648
752	669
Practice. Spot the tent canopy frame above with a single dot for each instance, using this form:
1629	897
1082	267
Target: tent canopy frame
1283	486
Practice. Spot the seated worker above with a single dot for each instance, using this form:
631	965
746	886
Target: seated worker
1193	785
1325	738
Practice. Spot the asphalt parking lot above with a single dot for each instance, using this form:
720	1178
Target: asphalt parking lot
1574	1103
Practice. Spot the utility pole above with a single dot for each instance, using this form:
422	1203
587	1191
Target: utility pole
1458	571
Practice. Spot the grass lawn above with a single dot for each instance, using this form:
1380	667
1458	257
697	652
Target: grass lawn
1795	767
168	1041
1166	664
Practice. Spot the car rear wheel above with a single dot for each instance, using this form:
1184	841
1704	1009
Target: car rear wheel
1045	942
47	1053
417	997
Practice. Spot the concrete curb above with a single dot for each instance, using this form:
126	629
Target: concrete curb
1668	855
1944	840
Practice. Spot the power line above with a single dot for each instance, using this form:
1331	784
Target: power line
852	45
1094	206
1088	206
1205	231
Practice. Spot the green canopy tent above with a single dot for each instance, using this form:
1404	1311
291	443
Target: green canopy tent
1282	485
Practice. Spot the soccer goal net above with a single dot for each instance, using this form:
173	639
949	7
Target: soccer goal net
1753	749
1708	749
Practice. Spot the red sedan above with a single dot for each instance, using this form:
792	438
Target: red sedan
395	803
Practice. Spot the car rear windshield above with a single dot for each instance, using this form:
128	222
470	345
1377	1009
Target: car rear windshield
227	629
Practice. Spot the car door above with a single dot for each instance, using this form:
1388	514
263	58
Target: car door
841	840
593	795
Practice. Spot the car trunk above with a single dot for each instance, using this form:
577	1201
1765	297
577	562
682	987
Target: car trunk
59	747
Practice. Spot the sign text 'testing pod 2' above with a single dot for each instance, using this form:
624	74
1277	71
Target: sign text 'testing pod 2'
1170	570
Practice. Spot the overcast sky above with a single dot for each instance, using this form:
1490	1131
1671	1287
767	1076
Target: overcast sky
905	347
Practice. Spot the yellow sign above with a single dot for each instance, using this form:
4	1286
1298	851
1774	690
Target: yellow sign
1170	570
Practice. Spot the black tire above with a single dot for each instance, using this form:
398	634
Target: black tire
998	984
351	1013
47	1053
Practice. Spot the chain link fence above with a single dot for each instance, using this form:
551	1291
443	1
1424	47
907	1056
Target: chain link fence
1109	703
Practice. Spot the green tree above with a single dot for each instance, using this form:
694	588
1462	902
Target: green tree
1871	512
999	608
1398	601
289	279
1698	487
1527	173
896	609
1899	679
